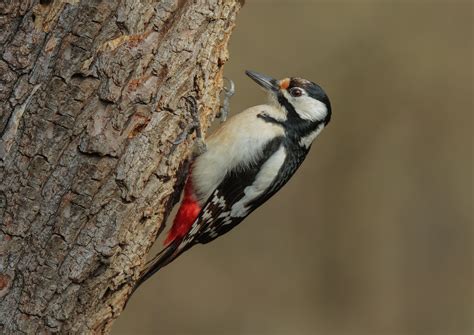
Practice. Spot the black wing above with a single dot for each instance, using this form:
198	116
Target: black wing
214	219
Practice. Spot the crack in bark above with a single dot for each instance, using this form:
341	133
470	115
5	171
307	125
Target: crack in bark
9	134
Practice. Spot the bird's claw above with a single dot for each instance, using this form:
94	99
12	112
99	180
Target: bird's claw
195	125
229	91
182	137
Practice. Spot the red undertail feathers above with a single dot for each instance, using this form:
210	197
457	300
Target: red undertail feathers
187	214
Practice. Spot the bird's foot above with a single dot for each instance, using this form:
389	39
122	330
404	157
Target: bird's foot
195	125
229	90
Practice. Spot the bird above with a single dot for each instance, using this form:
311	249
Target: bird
244	163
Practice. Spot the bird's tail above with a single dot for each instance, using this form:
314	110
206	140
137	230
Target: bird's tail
160	260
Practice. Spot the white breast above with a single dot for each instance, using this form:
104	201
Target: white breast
239	141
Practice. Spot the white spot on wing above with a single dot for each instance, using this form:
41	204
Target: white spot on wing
207	215
218	200
263	180
194	229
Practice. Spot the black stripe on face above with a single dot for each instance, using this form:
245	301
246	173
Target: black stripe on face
288	106
296	127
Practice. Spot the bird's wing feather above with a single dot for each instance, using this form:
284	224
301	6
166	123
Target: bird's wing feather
233	200
215	217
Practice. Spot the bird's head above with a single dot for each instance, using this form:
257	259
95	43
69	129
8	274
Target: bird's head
299	97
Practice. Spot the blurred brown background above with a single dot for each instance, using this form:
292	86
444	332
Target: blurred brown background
373	235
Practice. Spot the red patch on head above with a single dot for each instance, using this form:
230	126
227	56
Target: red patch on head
284	83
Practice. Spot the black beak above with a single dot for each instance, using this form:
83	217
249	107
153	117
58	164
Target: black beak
267	83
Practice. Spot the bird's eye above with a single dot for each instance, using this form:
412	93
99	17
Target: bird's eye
296	92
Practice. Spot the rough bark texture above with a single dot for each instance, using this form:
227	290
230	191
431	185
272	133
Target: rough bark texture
91	99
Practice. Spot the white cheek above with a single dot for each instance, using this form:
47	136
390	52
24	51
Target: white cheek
307	107
311	109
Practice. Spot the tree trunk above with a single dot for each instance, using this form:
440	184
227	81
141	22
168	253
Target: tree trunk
91	101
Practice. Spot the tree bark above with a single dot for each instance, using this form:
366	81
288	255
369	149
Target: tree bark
91	101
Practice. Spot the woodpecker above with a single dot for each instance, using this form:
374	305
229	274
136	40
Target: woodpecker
245	162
